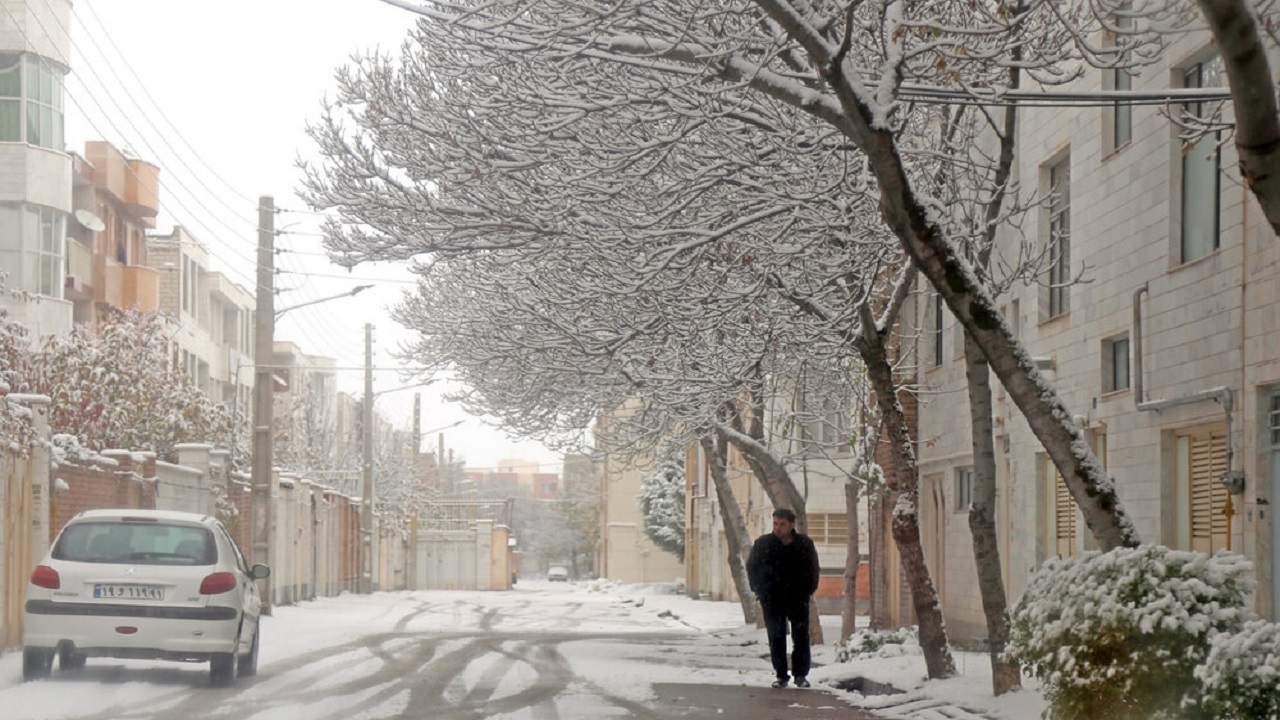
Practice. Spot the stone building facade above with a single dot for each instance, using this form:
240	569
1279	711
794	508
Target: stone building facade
1164	351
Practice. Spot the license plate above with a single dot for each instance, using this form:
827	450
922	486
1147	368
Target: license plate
129	592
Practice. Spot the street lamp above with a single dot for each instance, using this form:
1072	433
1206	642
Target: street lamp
263	391
353	291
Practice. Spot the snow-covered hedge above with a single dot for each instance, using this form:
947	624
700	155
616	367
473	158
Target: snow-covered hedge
881	643
1241	676
1118	635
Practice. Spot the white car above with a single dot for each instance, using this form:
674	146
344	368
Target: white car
144	584
558	573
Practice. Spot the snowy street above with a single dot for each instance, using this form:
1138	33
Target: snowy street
544	651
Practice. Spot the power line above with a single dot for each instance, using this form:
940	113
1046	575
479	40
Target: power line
66	63
159	109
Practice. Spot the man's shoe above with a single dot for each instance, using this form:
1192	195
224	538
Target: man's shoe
780	683
802	682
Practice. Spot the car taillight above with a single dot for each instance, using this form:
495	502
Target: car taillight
218	583
46	577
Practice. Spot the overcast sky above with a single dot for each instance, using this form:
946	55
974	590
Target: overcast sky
218	95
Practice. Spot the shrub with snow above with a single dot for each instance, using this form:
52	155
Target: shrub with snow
1241	676
880	643
1118	635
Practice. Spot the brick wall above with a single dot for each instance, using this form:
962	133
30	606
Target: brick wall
240	496
124	484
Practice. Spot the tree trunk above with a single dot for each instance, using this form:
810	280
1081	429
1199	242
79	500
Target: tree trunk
905	485
772	474
986	549
853	558
1253	95
735	526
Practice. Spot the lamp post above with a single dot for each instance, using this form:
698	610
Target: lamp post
263	391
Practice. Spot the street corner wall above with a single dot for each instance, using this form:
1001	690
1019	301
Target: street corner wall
115	480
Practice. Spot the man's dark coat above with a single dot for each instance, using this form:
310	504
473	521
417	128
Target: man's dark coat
783	576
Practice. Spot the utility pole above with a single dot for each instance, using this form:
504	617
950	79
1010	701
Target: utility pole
366	468
263	395
446	476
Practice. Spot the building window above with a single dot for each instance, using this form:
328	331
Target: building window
833	426
1059	238
1200	162
1121	110
190	285
30	101
964	489
1115	363
33	247
1273	433
1121	78
933	330
829	528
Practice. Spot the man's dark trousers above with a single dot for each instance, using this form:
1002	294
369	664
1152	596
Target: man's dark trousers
775	624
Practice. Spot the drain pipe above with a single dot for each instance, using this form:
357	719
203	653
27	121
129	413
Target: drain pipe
1234	479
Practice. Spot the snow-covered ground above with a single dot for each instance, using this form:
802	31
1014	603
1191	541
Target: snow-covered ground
339	640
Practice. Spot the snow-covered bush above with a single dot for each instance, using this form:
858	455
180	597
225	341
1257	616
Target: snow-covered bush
1118	635
883	643
1241	676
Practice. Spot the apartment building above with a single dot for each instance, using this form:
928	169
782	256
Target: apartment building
117	199
1165	352
306	412
35	169
214	317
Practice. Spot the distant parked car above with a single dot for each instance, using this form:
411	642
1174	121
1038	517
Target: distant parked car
146	584
558	573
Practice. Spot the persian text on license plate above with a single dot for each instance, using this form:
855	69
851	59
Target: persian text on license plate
129	592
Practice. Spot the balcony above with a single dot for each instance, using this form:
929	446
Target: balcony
134	182
125	286
141	288
142	191
108	281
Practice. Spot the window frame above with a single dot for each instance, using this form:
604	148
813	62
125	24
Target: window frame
1111	380
40	119
1193	156
1058	301
40	251
963	486
1120	122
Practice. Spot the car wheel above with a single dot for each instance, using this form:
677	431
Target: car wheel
36	663
69	659
222	669
248	664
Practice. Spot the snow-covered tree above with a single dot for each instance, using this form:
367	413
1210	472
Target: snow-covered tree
117	386
661	502
581	347
439	143
16	431
851	68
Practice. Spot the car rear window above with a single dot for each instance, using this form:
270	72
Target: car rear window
137	543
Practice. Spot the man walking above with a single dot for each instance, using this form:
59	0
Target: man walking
783	572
